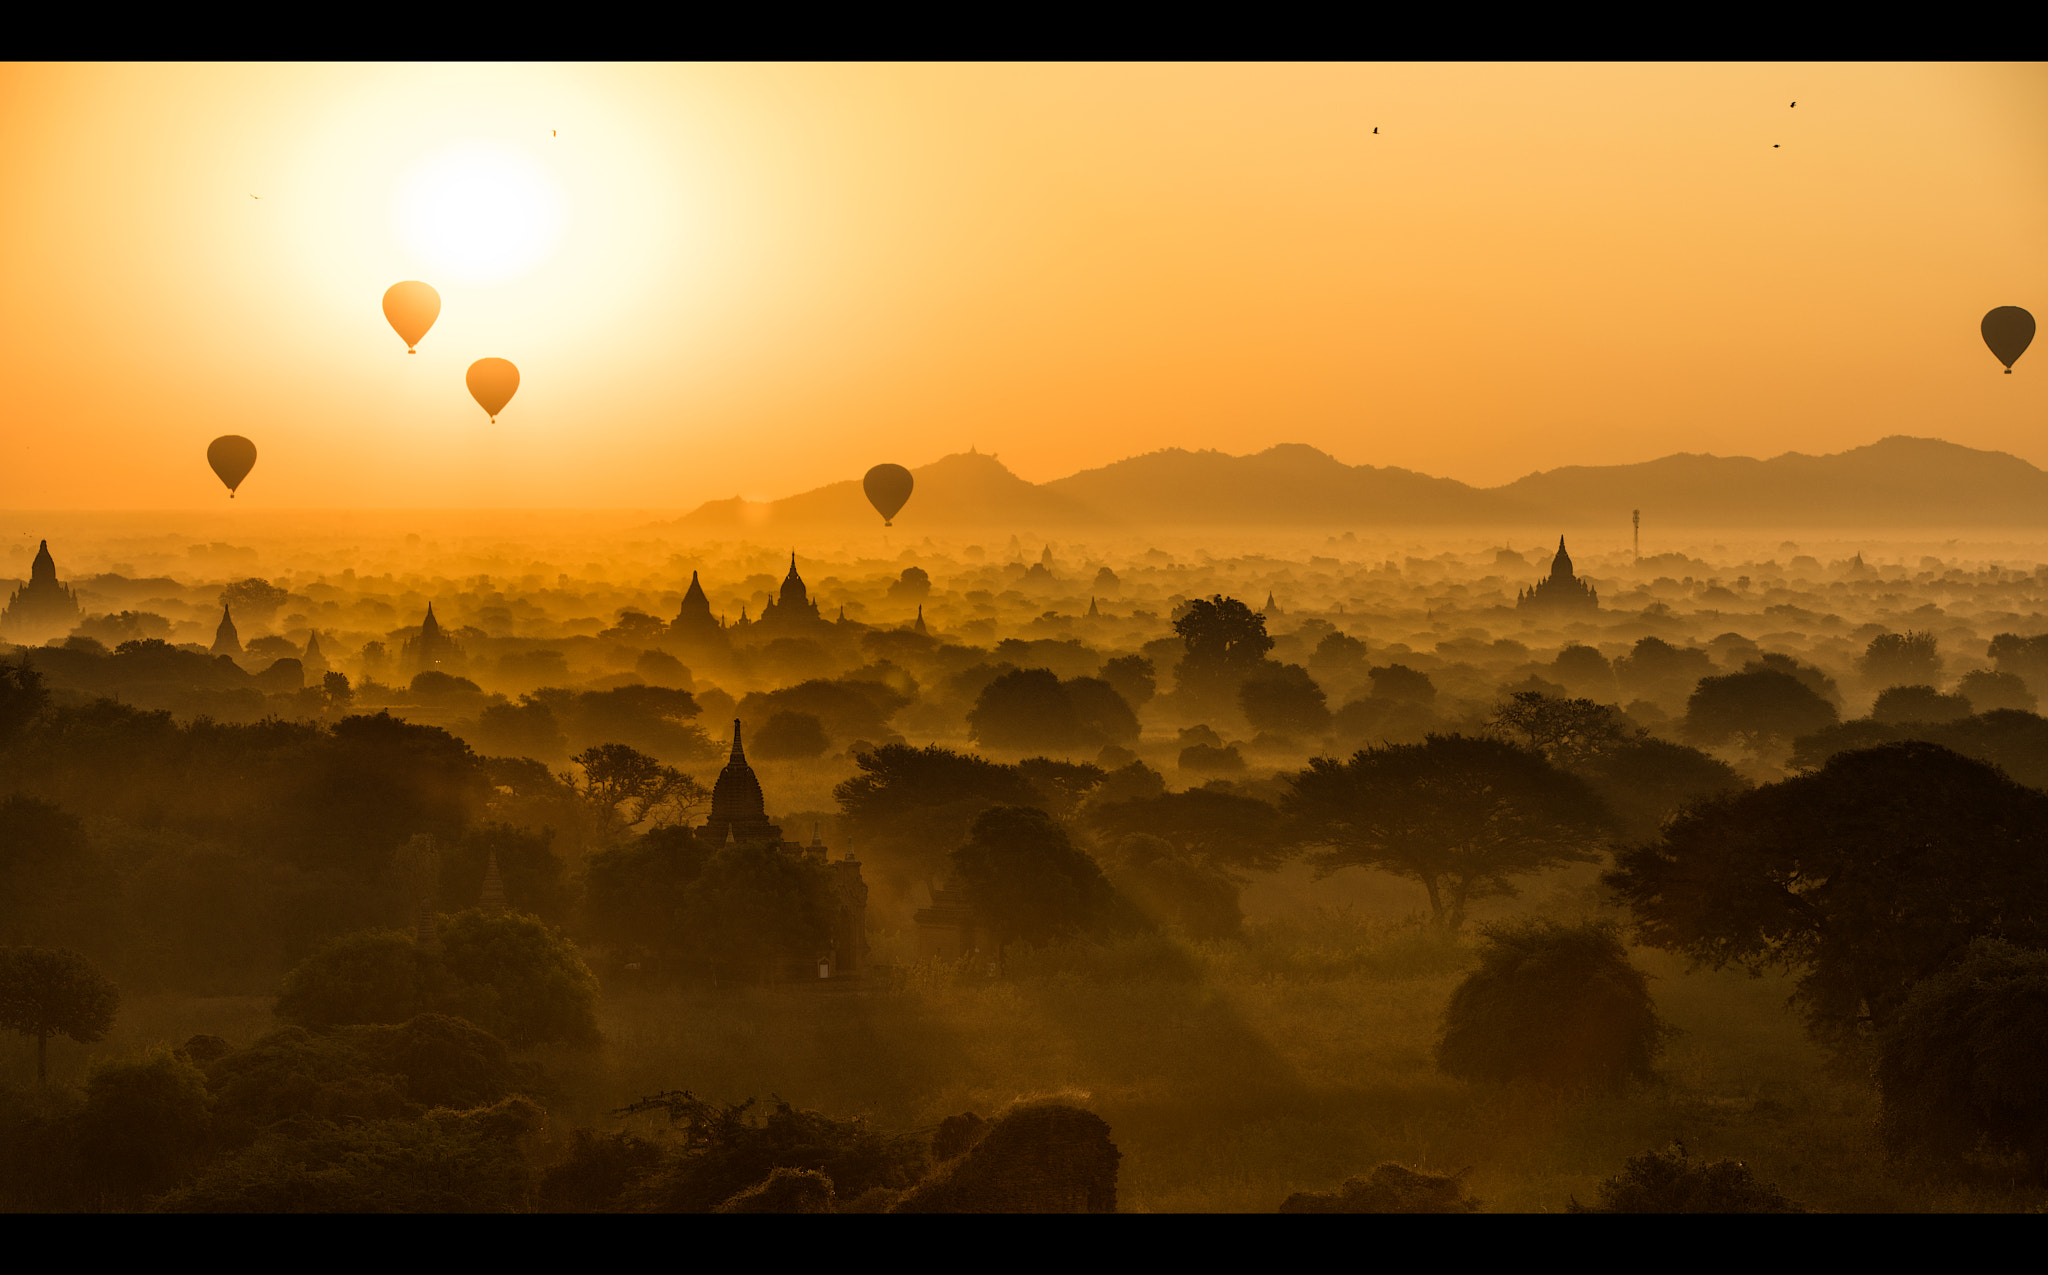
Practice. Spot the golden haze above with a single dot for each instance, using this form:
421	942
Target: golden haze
760	279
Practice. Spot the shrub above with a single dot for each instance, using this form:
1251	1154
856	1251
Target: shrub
369	1072
724	1151
145	1120
1960	1065
519	979
1555	1004
1039	1157
784	1191
1389	1188
372	976
1667	1182
447	1162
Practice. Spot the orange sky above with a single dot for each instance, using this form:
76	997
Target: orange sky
767	278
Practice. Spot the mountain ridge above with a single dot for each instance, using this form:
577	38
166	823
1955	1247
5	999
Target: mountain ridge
1899	480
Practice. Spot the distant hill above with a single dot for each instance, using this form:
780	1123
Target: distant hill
963	491
1894	482
1289	484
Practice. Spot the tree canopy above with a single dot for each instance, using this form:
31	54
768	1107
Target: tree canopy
1459	814
1757	706
47	992
1867	875
1027	880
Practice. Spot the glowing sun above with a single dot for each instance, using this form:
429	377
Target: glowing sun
480	213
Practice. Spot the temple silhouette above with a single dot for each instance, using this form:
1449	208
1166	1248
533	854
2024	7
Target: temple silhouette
42	608
739	814
1560	590
432	649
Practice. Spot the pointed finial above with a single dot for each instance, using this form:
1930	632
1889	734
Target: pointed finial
738	755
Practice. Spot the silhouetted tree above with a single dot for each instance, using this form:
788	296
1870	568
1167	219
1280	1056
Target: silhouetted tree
1810	676
1104	716
1584	671
1026	879
2015	742
1659	672
1284	699
1027	710
145	1121
2023	657
1231	829
1898	704
914	585
791	735
1338	654
635	627
370	976
336	692
1401	684
626	788
848	709
525	729
1900	659
1959	1067
52	886
756	909
1669	1182
1557	1004
1567	731
635	891
518	979
1459	815
1059	786
22	698
1225	641
1389	1188
1758	706
432	686
255	598
1867	876
1644	782
1987	691
47	992
1133	677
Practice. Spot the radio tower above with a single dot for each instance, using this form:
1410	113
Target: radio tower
1639	535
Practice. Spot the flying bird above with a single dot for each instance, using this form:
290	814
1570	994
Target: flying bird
557	132
255	196
1375	130
1790	107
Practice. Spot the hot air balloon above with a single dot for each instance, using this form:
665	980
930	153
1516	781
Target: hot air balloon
887	486
232	457
411	308
492	383
2008	330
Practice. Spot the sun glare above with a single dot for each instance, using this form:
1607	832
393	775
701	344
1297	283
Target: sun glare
480	213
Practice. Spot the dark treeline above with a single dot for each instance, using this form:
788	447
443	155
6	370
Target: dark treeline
427	906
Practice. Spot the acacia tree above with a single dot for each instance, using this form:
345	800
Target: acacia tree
47	992
626	788
1867	875
1458	814
1567	731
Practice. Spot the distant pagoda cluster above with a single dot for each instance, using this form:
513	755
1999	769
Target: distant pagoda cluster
1560	590
42	608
